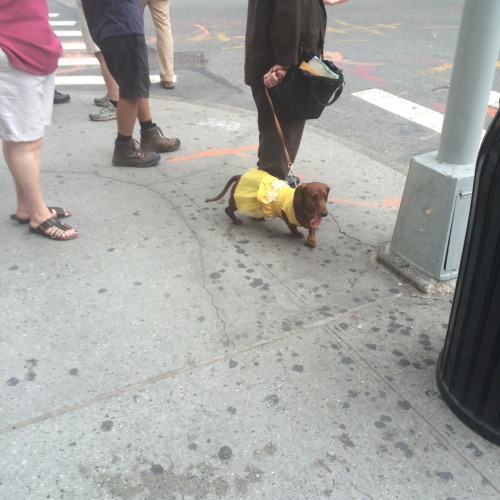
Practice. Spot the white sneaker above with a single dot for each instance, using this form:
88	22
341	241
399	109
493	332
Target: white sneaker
107	112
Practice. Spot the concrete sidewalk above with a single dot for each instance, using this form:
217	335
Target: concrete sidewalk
169	354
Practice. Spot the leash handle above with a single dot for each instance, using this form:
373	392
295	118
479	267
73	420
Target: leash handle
280	131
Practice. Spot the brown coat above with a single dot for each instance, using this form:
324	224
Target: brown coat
274	30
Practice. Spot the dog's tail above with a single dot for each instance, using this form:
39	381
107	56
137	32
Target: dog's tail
233	179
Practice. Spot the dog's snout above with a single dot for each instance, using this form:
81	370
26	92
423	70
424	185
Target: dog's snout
324	214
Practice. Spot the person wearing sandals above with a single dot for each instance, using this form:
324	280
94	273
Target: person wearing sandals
29	53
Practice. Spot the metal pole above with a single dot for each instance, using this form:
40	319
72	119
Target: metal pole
432	220
471	80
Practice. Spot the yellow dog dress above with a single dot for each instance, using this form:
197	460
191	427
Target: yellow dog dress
260	194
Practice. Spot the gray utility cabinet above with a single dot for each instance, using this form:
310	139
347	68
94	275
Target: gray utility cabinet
425	236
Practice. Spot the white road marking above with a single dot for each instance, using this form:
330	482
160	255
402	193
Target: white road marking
62	23
78	61
79	80
401	107
74	46
409	110
90	80
65	34
494	99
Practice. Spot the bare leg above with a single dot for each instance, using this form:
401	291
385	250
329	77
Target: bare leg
111	85
126	115
128	111
23	160
144	112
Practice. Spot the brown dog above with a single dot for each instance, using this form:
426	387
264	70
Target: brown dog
261	195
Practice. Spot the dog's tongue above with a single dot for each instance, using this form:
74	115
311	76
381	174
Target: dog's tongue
314	223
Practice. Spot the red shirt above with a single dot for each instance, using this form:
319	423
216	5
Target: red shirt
27	37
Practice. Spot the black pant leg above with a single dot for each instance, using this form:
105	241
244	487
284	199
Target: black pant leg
271	154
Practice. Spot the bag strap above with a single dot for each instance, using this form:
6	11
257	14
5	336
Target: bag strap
322	41
280	131
335	96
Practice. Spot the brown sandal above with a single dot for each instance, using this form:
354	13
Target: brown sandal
56	235
60	213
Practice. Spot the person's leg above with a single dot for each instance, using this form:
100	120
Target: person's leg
127	61
126	115
25	110
160	12
152	138
23	160
111	85
127	152
90	46
143	110
109	102
130	69
271	155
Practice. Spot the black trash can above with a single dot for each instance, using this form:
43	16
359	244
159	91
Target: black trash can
468	370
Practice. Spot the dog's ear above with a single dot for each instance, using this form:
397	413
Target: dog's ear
301	190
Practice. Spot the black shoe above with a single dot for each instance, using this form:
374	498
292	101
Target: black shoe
292	180
60	98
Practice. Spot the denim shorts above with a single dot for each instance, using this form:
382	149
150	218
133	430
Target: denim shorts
127	60
26	102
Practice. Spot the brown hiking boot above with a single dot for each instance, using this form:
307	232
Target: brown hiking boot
154	140
130	154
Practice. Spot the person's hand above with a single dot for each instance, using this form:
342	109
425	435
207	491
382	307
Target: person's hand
333	2
274	76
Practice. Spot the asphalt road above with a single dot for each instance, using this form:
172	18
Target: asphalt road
403	48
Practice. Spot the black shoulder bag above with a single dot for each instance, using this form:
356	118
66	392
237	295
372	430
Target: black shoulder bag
309	86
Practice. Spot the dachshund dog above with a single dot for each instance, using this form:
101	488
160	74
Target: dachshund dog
261	195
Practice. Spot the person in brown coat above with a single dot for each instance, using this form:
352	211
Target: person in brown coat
274	30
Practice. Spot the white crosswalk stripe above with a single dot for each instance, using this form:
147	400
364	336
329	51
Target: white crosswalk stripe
409	110
494	99
89	80
66	34
62	23
402	107
73	46
78	61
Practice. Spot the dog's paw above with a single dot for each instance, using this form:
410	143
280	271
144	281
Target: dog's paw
297	234
310	244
